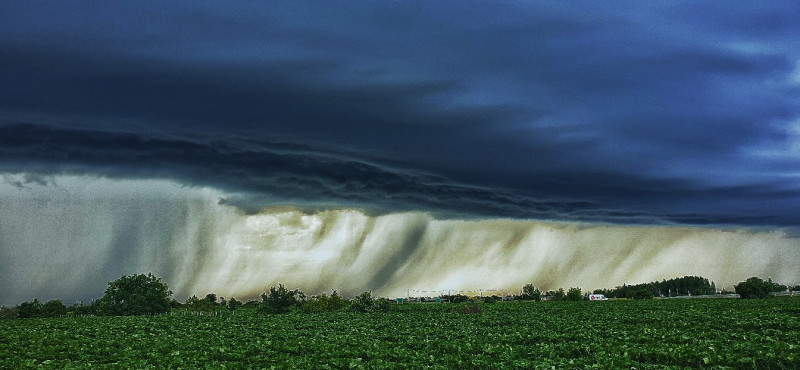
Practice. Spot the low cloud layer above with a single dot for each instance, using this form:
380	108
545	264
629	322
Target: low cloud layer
67	239
624	113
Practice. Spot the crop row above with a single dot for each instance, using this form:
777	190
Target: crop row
613	334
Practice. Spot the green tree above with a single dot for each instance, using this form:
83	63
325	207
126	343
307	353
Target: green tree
53	308
754	287
558	295
383	304
136	295
8	312
211	297
642	293
234	304
279	300
199	304
531	292
29	309
363	302
574	294
80	309
324	303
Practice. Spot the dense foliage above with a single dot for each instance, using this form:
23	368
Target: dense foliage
754	287
530	292
365	303
136	295
652	334
52	308
324	303
687	285
280	300
574	294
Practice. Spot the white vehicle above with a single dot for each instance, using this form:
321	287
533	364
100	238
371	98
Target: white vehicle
597	297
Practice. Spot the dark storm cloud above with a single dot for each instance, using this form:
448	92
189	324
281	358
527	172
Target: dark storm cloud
279	172
624	113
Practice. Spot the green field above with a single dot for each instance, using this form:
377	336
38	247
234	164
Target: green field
657	334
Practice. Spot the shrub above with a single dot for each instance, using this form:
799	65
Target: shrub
29	309
136	295
383	304
531	292
324	303
558	295
574	294
754	288
80	309
234	304
8	312
642	293
279	300
199	304
53	308
363	302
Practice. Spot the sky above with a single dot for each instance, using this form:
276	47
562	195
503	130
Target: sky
653	114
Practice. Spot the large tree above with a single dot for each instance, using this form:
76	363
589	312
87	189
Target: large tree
280	300
136	295
754	287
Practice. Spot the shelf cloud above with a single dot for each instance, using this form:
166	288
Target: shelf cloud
625	114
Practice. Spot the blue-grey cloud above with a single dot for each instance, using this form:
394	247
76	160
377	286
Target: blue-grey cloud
633	112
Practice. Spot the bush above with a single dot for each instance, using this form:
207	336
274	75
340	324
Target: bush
53	308
8	312
363	302
324	303
234	304
642	293
574	294
279	300
29	309
136	295
754	288
383	304
199	304
530	292
557	295
80	309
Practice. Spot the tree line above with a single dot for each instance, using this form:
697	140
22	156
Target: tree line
683	286
141	294
753	287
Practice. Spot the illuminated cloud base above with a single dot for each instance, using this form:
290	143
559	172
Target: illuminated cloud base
68	236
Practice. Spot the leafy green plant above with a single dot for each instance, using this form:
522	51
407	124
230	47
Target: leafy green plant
29	309
754	287
324	303
531	292
137	294
363	302
574	294
646	334
234	304
642	293
279	300
53	308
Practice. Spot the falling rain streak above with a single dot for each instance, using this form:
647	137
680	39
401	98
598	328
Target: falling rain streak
66	237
